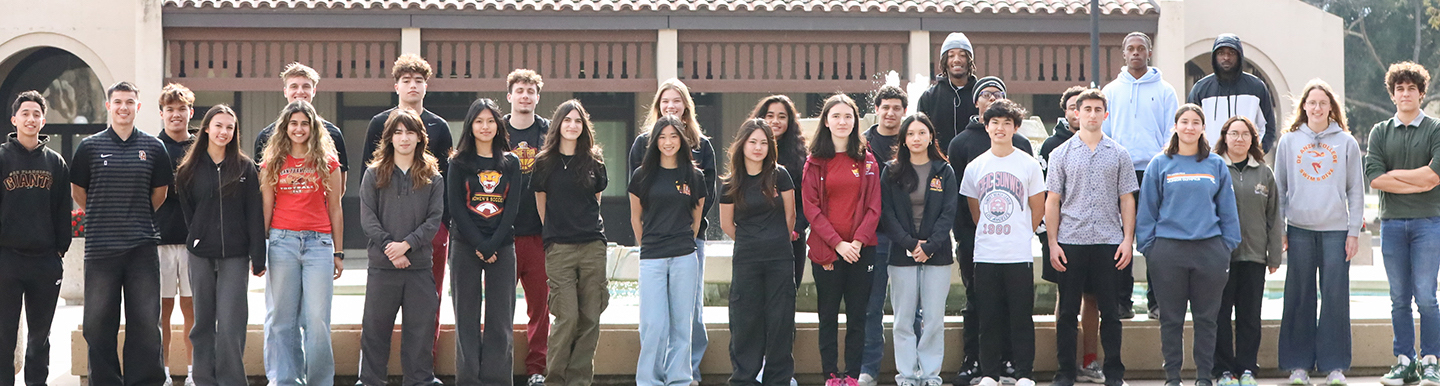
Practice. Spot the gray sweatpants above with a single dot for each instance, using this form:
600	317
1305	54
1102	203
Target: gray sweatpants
388	291
221	315
1192	272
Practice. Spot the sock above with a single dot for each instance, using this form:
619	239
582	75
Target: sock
1403	360
1089	358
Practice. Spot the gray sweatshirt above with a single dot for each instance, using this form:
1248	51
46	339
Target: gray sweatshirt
1321	179
1261	227
401	213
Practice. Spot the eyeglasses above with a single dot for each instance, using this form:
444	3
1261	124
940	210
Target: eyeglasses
992	94
1233	134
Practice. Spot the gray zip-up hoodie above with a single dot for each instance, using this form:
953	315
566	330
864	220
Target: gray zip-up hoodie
401	213
1262	230
1321	179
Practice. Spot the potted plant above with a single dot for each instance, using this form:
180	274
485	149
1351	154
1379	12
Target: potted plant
72	285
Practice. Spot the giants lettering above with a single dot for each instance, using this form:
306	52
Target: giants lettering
28	179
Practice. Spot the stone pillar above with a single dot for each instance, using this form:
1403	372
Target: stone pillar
410	41
918	56
1170	41
667	55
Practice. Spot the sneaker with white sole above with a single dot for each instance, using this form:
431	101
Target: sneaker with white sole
169	380
1227	379
1091	373
1248	379
1024	382
536	380
190	376
1402	373
930	382
1429	371
865	380
1009	378
1336	378
987	381
1298	377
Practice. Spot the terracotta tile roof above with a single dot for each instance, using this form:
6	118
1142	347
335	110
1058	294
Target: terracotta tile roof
1107	7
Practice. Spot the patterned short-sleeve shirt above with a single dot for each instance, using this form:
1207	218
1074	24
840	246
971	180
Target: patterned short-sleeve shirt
1097	178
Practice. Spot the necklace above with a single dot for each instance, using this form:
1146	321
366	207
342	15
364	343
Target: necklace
566	162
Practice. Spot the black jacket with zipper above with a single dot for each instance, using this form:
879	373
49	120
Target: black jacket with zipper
35	205
897	218
224	223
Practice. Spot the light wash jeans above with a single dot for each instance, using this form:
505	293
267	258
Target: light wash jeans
1411	263
699	339
667	306
299	284
921	288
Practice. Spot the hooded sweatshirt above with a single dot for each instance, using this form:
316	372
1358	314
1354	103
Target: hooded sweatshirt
1141	114
224	221
1060	134
35	205
1323	175
1224	95
1262	229
950	108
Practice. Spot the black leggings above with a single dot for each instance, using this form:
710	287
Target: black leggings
851	283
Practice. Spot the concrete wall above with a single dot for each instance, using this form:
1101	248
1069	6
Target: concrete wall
120	40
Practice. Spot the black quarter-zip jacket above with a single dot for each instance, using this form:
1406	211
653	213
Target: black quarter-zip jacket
35	204
223	222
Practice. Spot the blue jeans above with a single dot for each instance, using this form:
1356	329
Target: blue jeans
299	284
1411	265
667	297
699	339
1313	252
875	310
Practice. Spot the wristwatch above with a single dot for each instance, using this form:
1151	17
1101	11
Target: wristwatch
340	255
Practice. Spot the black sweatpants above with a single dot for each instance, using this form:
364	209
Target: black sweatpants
1194	272
34	282
130	279
762	322
1237	349
850	283
798	248
387	292
1005	309
965	258
1090	269
483	357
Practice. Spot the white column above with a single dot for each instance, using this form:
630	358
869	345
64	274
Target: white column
667	54
1169	39
918	56
410	40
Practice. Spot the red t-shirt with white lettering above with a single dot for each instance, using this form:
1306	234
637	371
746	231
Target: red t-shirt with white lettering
300	197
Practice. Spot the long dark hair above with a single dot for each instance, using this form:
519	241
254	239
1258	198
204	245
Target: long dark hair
1254	151
791	144
1173	147
382	160
650	167
823	146
739	178
902	172
589	161
230	168
464	151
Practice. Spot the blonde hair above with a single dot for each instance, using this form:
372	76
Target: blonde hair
692	131
321	146
296	69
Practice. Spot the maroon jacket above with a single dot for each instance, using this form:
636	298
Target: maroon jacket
823	237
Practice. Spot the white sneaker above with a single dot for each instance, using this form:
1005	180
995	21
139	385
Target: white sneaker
169	381
987	381
866	380
189	375
1336	378
1024	382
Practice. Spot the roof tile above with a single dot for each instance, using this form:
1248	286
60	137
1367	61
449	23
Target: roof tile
1107	7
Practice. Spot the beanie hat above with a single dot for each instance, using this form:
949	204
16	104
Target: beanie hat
987	82
956	40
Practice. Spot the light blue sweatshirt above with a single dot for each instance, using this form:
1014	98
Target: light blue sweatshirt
1142	111
1321	179
1182	199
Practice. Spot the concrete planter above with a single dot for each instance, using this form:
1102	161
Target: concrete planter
72	284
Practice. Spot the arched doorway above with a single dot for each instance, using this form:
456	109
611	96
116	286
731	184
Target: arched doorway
75	95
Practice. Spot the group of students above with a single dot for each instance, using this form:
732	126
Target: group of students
875	213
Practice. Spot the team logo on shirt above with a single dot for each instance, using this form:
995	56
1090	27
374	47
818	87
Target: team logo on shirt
489	179
487	204
142	155
935	185
855	169
1001	196
527	156
683	188
1262	190
1317	161
28	179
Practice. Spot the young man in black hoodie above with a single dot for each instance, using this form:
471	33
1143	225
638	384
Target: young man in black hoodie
527	135
1231	91
34	235
890	103
177	105
968	144
950	102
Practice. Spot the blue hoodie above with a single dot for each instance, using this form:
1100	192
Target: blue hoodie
1141	114
1182	199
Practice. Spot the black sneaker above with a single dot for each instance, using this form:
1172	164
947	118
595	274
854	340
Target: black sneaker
1008	377
1172	382
536	380
1204	382
969	372
1063	380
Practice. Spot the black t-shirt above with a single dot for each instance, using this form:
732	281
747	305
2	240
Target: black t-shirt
760	230
667	214
574	213
526	144
883	146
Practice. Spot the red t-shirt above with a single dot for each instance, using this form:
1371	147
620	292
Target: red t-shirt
842	194
300	197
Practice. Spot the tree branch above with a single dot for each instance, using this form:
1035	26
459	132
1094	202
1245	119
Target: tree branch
1364	36
1419	27
1369	106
